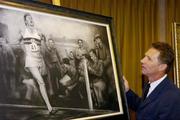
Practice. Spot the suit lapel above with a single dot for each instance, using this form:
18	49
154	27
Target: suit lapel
156	92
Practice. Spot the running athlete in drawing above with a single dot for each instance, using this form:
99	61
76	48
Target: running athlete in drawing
34	62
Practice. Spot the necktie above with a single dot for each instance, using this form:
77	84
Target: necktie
146	90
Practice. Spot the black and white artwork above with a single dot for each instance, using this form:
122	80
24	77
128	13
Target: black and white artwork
56	67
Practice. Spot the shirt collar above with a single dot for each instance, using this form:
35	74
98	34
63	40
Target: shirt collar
159	80
154	84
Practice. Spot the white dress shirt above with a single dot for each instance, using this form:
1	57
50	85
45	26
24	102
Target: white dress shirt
154	84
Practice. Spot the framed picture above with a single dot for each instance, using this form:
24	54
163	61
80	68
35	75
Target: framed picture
176	46
58	63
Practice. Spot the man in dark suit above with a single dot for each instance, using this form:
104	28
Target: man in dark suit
162	99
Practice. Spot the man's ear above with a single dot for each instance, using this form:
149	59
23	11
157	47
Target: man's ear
163	67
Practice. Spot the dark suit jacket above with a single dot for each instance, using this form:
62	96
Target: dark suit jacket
162	104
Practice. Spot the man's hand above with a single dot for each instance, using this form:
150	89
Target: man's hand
126	84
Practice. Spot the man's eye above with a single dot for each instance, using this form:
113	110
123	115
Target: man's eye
149	58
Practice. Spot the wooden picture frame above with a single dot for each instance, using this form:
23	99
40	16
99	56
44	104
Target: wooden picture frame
58	56
176	46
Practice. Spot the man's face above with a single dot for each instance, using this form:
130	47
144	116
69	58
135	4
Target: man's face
51	43
29	21
98	43
71	55
80	43
150	63
93	56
